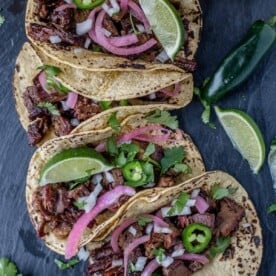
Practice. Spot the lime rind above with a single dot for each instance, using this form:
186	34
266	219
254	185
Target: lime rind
171	34
254	156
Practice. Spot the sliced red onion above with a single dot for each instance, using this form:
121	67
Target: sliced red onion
173	93
140	263
150	268
162	57
201	205
185	211
66	6
132	231
139	14
117	232
152	96
109	177
103	41
149	228
158	229
190	203
83	254
140	28
97	178
159	214
195	193
194	257
84	27
103	202
72	99
101	147
125	40
131	247
42	80
167	261
54	39
74	122
90	201
111	10
106	32
178	252
115	5
64	106
158	221
87	43
92	16
123	5
116	263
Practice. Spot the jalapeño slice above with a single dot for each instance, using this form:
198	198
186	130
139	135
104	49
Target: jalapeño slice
87	4
196	237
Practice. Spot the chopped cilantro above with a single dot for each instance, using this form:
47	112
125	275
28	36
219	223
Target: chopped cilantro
271	208
51	71
113	122
132	267
7	268
111	146
149	150
62	265
96	48
143	221
179	204
79	204
172	157
182	168
126	153
221	244
218	192
105	105
158	253
121	160
50	107
163	118
123	102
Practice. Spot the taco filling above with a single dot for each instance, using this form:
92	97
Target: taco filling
50	104
131	162
178	239
117	27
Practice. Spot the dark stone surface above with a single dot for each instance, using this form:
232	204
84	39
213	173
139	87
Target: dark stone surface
225	22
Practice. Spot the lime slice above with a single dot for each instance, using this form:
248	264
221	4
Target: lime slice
73	164
244	134
165	23
272	161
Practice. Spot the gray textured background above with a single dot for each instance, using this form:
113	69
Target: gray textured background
225	22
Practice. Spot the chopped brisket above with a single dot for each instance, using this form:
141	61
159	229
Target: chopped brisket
62	230
206	219
177	268
42	10
158	153
118	178
64	19
182	221
165	181
126	237
85	108
195	266
229	216
80	191
126	25
186	64
110	26
123	199
115	271
61	125
37	130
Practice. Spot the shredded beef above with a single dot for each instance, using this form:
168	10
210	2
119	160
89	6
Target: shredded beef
206	219
115	271
186	64
85	109
177	268
195	266
37	130
126	237
123	199
61	125
110	26
118	178
165	181
182	221
80	191
229	216
64	19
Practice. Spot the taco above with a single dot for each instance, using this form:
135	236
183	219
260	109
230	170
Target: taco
48	108
204	226
70	34
77	171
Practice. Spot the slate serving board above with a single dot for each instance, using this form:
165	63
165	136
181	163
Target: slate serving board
225	22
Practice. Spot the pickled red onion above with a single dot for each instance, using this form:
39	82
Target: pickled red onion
92	16
101	147
194	257
201	205
125	40
43	80
103	202
170	93
139	14
131	247
65	6
150	268
72	99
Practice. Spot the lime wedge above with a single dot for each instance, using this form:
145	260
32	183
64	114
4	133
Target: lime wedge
272	161
244	134
73	164
165	23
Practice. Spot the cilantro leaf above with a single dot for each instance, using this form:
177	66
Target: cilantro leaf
163	118
158	253
132	267
2	20
172	157
123	102
130	150
79	181
113	122
179	204
182	168
7	268
121	160
271	208
50	107
221	244
143	221
105	105
62	265
51	71
79	204
111	146
218	192
149	150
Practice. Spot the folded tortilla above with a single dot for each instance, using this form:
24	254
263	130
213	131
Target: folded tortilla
246	242
106	221
111	86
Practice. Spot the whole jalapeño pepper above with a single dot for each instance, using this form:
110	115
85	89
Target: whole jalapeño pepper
87	4
241	62
196	237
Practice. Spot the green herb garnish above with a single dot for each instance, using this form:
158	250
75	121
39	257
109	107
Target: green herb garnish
7	268
179	204
50	107
114	123
105	105
218	192
51	71
111	146
149	150
221	244
62	265
143	221
163	118
79	204
123	102
271	208
158	253
182	168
